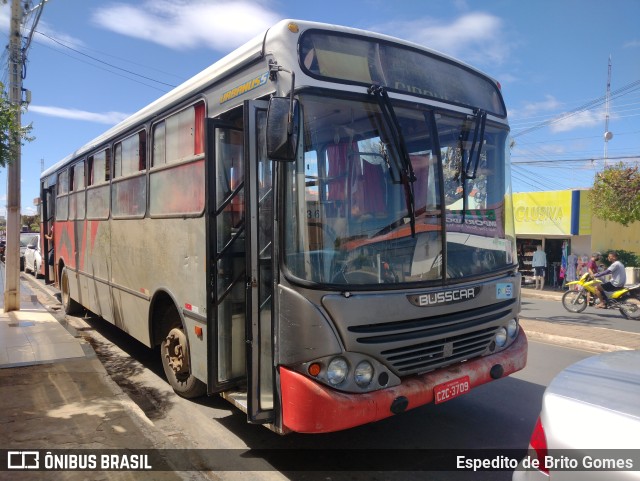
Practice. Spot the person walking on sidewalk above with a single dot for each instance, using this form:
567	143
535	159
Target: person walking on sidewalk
618	278
539	264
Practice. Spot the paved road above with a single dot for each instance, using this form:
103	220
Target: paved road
552	310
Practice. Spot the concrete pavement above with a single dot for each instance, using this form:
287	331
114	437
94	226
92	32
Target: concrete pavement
55	392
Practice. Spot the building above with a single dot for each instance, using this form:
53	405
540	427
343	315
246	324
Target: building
563	223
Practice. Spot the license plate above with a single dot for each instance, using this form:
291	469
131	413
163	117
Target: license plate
451	389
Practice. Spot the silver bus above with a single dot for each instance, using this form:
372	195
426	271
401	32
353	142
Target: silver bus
318	228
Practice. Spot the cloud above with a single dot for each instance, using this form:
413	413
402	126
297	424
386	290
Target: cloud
109	118
182	24
587	118
532	109
632	44
475	37
45	34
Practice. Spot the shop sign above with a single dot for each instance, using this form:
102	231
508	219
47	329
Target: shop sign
547	213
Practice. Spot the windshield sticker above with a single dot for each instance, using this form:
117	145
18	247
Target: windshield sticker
504	290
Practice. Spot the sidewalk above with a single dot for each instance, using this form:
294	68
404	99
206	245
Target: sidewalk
56	394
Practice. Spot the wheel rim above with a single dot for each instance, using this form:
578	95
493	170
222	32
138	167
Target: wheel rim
574	301
176	352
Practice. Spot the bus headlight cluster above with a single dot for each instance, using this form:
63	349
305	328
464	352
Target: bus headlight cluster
501	337
337	370
363	373
512	328
503	334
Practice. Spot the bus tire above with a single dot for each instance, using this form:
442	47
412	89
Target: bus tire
70	306
174	352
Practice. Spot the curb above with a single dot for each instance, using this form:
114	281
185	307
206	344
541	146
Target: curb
572	342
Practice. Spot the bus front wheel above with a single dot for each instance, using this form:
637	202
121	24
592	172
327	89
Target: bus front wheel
175	362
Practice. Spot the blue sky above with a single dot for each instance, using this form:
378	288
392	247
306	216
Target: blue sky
93	63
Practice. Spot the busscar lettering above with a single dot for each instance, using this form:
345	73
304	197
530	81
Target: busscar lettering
446	296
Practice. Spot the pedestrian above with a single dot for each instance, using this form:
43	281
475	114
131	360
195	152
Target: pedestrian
51	257
572	268
539	264
618	278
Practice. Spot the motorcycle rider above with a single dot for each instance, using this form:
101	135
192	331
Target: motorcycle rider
618	278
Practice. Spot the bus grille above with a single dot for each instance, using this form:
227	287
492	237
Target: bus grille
426	344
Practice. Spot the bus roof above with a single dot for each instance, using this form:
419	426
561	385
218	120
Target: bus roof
249	52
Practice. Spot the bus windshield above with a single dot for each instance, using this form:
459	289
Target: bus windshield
362	209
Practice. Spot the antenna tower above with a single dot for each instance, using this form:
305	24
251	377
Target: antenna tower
607	134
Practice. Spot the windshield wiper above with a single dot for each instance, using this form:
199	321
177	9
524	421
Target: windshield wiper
407	176
470	165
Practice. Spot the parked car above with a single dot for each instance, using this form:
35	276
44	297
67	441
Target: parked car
33	256
590	420
25	238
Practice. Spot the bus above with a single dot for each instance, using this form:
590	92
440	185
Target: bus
318	227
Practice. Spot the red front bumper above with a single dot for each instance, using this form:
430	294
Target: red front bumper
311	407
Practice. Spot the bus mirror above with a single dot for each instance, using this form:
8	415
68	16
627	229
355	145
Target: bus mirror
283	125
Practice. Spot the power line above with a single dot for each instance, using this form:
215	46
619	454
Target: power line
104	68
593	103
630	158
103	62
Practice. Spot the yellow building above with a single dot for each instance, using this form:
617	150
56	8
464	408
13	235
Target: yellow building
563	223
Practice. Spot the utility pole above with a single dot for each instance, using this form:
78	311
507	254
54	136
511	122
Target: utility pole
12	254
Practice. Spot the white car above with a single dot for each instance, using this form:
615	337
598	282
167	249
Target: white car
589	425
25	238
33	256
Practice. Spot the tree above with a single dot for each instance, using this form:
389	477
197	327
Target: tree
615	195
32	222
9	130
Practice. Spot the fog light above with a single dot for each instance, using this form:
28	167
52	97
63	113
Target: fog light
512	328
501	337
337	370
363	374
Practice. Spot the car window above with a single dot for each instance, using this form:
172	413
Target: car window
25	239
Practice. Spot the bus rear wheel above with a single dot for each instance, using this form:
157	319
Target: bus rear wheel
175	362
70	306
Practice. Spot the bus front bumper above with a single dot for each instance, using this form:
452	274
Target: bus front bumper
311	407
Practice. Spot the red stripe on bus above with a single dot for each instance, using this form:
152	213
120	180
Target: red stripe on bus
311	407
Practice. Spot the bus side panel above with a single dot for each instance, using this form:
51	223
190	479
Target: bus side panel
133	256
130	314
159	255
177	265
65	240
96	295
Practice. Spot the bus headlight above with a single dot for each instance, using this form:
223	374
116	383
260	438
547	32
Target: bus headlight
501	337
337	370
512	328
363	374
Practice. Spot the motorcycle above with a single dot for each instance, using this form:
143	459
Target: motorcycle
626	299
